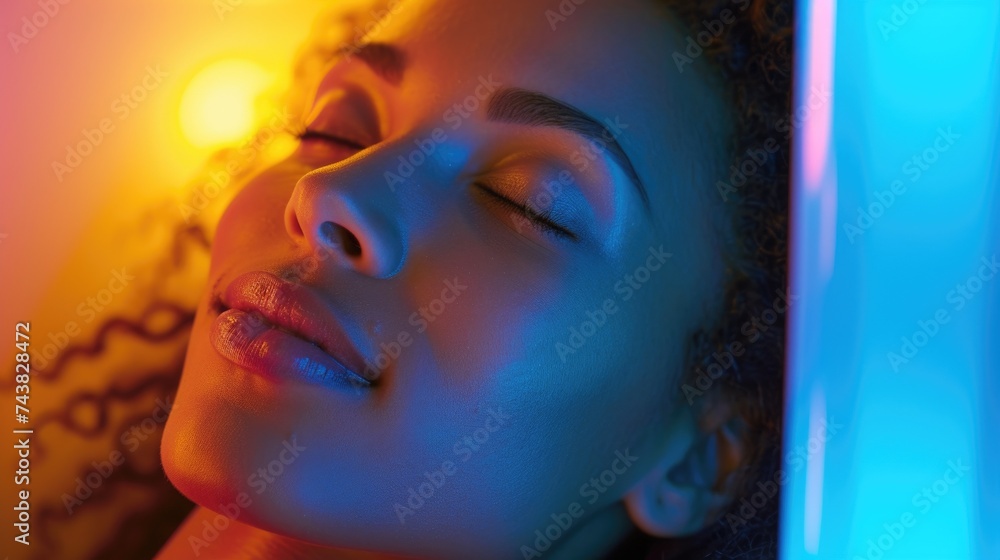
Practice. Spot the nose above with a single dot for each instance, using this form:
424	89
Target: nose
349	213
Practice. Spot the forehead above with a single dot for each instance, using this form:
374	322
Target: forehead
606	57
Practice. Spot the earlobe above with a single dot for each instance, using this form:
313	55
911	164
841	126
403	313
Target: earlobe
660	509
686	490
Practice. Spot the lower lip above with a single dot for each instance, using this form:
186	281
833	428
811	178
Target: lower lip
252	343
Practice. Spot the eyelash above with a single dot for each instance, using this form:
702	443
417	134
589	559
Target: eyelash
303	133
540	220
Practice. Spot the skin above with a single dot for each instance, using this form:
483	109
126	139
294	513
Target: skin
494	348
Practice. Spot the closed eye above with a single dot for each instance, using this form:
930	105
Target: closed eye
310	135
540	220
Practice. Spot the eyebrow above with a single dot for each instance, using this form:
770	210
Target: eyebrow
510	105
520	106
387	61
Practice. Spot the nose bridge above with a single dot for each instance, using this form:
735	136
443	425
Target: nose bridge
357	186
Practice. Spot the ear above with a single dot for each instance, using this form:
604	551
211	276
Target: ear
692	482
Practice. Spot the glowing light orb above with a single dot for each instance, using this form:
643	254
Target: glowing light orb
217	106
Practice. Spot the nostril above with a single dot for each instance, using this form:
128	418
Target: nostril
292	223
338	236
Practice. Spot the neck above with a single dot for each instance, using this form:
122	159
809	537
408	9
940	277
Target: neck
596	538
197	538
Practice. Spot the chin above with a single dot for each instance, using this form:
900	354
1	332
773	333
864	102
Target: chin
207	444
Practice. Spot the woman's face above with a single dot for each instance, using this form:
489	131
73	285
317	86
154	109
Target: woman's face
515	355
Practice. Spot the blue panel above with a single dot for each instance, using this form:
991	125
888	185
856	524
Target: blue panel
894	352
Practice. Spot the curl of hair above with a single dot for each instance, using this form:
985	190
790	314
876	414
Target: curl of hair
754	57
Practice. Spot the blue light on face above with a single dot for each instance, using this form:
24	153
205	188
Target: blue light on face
893	384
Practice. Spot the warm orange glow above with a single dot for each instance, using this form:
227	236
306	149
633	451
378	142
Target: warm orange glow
217	106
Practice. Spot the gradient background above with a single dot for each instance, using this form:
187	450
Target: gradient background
66	79
60	240
901	72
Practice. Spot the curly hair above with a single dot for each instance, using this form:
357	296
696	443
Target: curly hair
752	55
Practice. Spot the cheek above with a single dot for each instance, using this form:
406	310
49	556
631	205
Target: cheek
565	423
471	291
578	377
256	213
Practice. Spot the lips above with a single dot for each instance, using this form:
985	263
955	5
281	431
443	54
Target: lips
283	330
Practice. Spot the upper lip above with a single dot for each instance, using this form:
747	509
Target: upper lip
298	310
